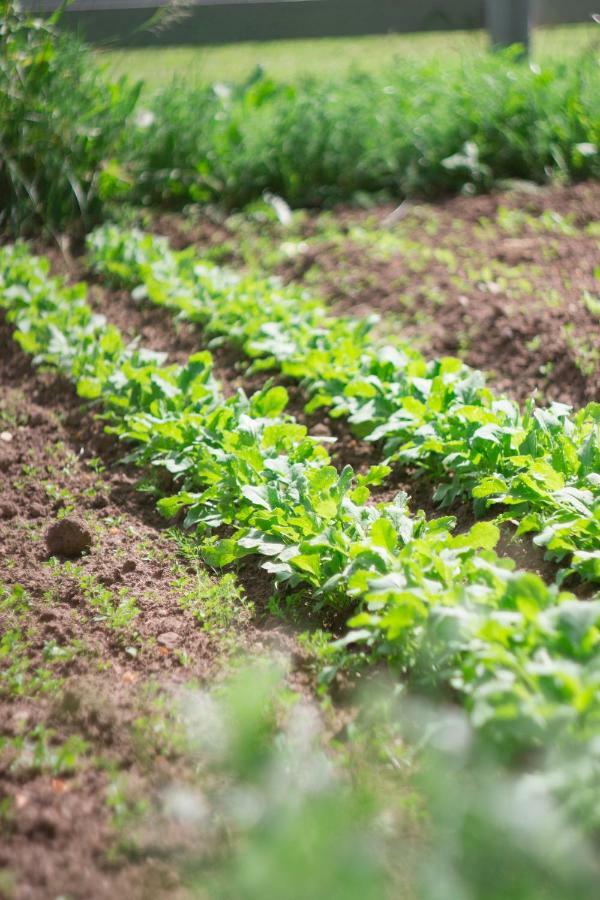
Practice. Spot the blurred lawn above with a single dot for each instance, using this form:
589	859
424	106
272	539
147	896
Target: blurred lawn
287	59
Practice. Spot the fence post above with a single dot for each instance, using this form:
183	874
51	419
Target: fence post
508	23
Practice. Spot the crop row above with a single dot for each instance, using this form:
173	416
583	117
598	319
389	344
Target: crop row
524	656
540	466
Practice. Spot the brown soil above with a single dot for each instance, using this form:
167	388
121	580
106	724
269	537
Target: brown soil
534	336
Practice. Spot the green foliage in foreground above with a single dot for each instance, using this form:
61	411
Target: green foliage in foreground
293	825
542	465
417	128
298	822
59	124
523	656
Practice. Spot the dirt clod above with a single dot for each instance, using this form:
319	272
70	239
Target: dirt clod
8	510
68	537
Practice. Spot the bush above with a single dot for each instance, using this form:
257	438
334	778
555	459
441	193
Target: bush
429	129
59	122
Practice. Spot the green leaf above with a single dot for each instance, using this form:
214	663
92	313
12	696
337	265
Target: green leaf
482	535
360	495
308	562
383	534
223	553
89	388
489	486
374	476
272	403
170	506
256	495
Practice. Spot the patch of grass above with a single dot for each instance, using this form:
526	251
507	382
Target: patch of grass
127	810
21	677
516	222
592	303
158	731
8	883
585	351
290	59
217	604
61	496
12	404
38	751
116	608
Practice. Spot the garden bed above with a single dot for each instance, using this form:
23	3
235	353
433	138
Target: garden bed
506	282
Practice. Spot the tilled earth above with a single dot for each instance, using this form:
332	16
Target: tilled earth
498	280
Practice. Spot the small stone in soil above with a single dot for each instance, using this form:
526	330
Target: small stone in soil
68	537
6	436
168	639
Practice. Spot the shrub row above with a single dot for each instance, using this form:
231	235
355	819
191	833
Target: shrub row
424	129
69	139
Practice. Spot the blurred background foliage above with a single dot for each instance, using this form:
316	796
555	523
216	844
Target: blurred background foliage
72	140
416	128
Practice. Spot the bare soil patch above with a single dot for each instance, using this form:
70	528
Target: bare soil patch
508	303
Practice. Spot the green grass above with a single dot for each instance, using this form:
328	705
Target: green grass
330	56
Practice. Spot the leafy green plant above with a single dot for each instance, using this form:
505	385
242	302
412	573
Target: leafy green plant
293	826
299	820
